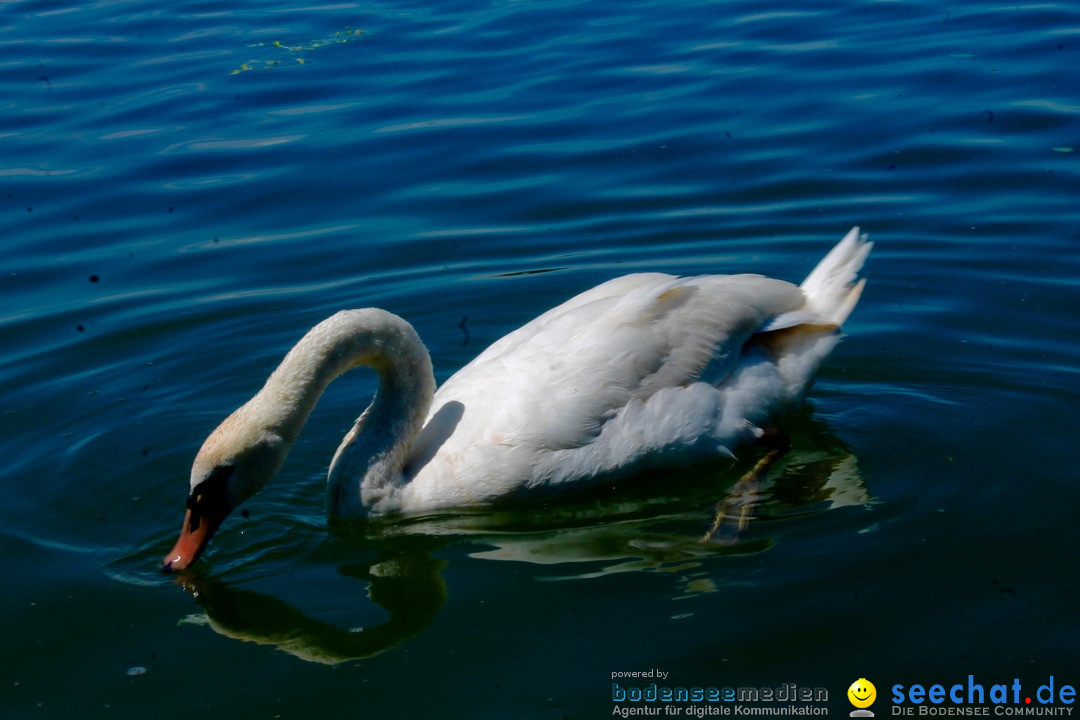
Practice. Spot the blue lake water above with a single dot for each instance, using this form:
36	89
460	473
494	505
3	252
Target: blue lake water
186	188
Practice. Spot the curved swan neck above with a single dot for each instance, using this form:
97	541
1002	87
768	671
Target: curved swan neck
349	339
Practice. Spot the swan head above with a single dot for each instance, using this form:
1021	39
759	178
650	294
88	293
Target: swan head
234	463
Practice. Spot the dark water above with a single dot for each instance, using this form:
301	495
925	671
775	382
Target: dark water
173	222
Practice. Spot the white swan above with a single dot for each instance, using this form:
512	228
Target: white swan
642	370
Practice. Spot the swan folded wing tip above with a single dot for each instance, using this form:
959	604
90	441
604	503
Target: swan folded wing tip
789	319
849	302
785	340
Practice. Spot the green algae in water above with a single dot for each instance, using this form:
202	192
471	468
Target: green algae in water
293	54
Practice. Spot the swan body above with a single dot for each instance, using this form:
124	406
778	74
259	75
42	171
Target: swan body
643	370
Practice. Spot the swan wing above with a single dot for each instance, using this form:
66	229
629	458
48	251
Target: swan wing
636	355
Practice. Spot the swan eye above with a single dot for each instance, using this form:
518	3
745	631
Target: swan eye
210	497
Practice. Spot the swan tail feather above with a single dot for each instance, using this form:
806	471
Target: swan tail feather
833	289
799	340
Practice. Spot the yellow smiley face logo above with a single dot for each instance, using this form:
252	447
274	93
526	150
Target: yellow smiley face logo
862	693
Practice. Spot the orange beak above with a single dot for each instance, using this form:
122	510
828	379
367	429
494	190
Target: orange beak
191	543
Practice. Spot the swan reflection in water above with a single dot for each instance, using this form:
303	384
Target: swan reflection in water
408	586
639	531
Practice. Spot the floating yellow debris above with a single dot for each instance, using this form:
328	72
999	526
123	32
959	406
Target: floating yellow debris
337	38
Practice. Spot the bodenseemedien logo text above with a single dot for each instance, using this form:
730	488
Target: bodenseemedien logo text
786	692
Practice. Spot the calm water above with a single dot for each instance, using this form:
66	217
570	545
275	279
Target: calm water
173	222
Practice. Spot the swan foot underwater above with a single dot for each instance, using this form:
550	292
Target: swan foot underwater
733	511
643	371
